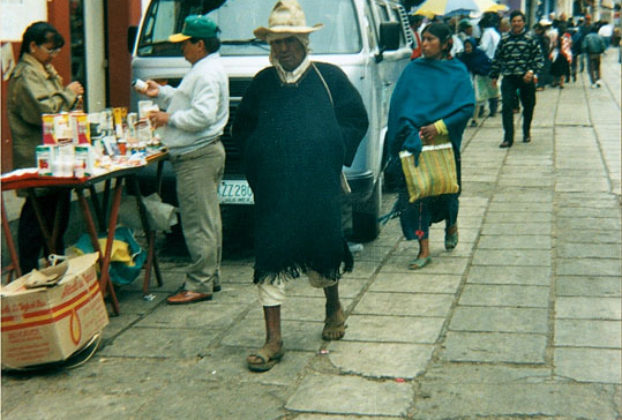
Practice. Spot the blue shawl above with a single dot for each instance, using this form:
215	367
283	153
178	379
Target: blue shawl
427	91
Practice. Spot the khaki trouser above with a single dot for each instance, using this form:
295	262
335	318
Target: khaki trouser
198	175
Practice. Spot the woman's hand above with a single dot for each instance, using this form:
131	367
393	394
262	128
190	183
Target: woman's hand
158	118
76	88
428	133
152	90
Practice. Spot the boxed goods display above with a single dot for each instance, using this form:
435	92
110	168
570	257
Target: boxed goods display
46	318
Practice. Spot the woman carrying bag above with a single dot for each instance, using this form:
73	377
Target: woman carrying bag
431	105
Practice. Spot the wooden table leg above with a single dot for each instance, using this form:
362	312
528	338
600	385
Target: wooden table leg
10	244
104	261
105	280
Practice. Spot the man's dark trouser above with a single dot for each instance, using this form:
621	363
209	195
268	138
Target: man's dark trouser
527	93
593	67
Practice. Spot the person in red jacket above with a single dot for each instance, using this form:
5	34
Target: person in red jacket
415	22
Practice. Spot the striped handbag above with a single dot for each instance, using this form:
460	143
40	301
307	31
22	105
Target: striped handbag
435	174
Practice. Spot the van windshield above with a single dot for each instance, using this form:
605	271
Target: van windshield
238	18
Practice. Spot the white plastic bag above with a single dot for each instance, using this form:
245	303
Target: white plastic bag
161	215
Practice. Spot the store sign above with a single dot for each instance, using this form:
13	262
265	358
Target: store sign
16	15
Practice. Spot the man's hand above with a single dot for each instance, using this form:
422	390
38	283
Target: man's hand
494	83
76	87
528	77
158	118
428	133
152	90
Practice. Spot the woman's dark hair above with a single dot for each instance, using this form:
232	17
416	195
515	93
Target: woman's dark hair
443	32
41	33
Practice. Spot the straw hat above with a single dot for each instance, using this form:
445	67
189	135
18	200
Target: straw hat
287	17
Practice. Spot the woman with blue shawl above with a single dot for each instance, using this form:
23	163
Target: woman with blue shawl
431	104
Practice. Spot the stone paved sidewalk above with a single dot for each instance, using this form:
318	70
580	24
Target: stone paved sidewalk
522	319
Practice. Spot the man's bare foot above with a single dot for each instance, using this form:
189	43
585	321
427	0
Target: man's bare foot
334	325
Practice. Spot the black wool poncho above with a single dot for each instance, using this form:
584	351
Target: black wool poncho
294	143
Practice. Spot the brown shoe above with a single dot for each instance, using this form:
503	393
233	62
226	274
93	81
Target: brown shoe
188	296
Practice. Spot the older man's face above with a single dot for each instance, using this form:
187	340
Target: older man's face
289	52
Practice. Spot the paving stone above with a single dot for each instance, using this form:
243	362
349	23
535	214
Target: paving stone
351	395
469	318
588	286
494	347
511	229
159	342
588	308
485	373
594	213
588	333
440	265
530	242
397	329
588	267
588	235
528	206
203	315
415	282
514	400
519	257
589	365
502	274
523	195
505	295
380	360
574	250
299	336
404	304
349	287
300	309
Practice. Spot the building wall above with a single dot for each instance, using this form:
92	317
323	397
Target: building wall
121	14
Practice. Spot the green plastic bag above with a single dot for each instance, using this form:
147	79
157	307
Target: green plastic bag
127	257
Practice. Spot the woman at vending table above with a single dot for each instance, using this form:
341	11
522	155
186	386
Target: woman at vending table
35	88
431	104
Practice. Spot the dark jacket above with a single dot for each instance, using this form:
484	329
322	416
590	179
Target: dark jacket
515	55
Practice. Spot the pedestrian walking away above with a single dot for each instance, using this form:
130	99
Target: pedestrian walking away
518	58
298	123
488	43
195	117
594	47
35	88
438	117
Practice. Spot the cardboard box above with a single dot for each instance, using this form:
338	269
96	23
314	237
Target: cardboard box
48	324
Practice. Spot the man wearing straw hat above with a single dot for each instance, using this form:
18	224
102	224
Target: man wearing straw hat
297	125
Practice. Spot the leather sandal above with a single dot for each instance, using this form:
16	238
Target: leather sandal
267	357
419	263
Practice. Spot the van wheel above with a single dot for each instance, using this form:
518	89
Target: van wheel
365	225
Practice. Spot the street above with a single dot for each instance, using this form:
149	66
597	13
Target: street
522	319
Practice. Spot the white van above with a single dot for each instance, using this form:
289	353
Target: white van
369	39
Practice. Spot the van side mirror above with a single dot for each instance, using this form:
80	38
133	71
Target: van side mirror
390	36
132	31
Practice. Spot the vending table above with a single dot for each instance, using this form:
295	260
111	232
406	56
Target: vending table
106	212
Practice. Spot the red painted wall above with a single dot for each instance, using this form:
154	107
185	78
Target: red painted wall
121	15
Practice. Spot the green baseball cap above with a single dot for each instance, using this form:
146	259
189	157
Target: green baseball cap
196	26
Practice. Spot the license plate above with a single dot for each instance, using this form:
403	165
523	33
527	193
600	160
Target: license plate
235	192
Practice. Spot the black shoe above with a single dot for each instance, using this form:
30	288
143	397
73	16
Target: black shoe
527	139
505	145
217	288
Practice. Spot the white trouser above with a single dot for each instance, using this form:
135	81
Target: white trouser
272	293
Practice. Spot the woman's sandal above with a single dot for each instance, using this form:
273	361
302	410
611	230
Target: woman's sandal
451	240
268	359
419	263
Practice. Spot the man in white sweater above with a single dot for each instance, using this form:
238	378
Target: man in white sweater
196	114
